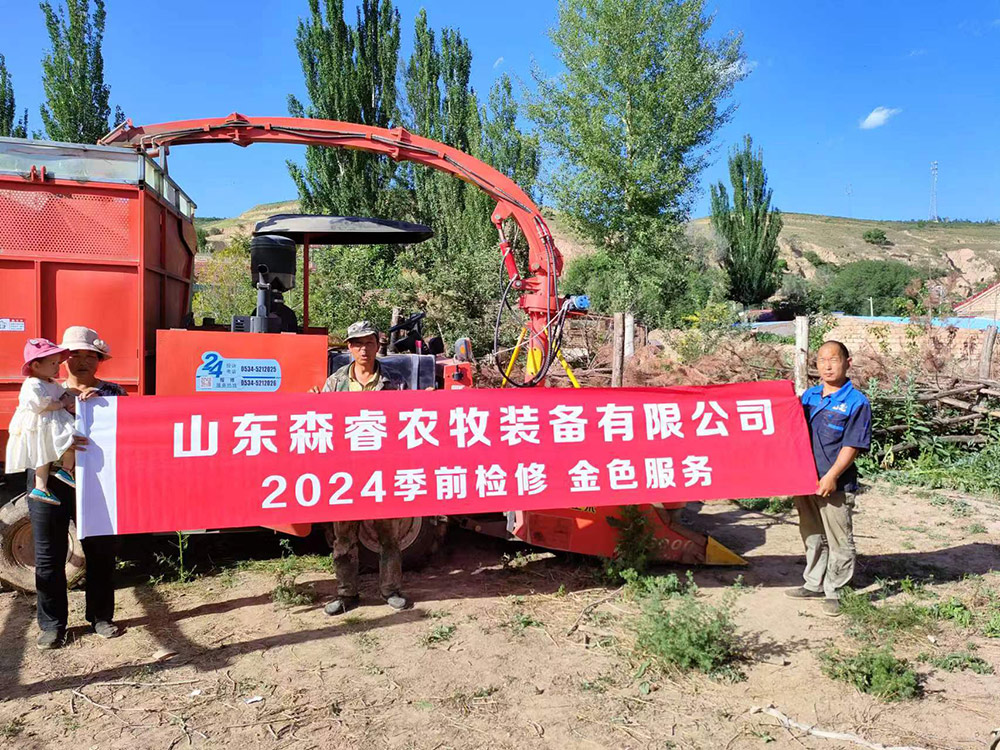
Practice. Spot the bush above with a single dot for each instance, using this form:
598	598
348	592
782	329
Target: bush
872	623
690	634
775	505
799	296
635	545
885	282
660	287
958	661
875	237
874	671
286	592
813	257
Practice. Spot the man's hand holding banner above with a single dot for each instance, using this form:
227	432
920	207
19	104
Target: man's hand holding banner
159	464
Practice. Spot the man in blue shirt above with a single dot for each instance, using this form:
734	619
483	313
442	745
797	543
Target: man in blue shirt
840	427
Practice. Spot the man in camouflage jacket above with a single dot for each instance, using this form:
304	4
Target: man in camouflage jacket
364	374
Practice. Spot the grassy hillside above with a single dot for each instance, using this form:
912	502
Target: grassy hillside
971	251
221	230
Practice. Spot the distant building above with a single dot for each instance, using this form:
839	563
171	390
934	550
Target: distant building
985	304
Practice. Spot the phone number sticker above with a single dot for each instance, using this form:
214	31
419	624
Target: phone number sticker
217	373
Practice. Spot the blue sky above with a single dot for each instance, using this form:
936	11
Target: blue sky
925	74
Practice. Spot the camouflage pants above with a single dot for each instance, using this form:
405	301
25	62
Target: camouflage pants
828	534
345	557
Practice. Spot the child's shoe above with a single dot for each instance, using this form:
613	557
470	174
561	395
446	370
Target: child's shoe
43	496
65	477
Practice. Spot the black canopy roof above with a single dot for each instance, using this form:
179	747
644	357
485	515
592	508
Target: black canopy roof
343	230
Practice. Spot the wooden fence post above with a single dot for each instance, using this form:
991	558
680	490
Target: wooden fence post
629	335
618	352
801	354
986	355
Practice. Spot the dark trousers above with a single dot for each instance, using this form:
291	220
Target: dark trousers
345	557
50	526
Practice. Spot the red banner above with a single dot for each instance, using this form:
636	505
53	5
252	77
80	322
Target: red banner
174	463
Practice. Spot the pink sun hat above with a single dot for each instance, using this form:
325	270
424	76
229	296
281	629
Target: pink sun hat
38	348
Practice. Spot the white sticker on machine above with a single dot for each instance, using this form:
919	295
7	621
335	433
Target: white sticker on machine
11	324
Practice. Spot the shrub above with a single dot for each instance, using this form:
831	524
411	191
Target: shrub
885	282
286	592
813	257
875	237
775	505
691	634
871	623
874	671
636	542
958	661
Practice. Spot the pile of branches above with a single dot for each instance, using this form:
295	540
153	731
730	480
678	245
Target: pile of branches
908	415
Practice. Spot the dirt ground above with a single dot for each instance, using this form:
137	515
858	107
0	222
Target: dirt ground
484	660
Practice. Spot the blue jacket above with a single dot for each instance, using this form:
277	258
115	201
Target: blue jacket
844	418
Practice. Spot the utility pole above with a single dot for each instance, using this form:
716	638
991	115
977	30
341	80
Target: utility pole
934	174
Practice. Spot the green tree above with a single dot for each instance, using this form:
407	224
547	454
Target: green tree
454	275
889	284
629	121
10	127
350	75
748	227
203	246
223	286
76	107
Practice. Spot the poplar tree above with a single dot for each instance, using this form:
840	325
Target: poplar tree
10	127
76	107
350	75
629	122
456	272
748	227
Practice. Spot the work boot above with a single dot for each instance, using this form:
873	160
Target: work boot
397	601
50	639
831	608
106	629
341	604
803	593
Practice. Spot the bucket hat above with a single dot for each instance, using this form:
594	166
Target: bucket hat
76	338
39	348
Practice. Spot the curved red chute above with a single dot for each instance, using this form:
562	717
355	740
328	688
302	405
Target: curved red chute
539	299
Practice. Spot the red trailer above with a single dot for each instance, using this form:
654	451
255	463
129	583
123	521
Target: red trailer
89	235
94	234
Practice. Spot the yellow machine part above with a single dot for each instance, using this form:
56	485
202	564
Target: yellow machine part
716	554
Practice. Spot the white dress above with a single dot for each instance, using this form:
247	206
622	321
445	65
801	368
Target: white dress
38	437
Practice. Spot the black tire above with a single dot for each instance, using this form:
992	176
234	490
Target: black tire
17	549
419	539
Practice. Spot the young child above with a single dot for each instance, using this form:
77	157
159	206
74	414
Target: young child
42	428
840	427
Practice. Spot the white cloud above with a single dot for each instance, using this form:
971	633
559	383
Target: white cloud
878	117
917	52
497	62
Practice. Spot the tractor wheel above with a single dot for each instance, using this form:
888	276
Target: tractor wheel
17	549
419	539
